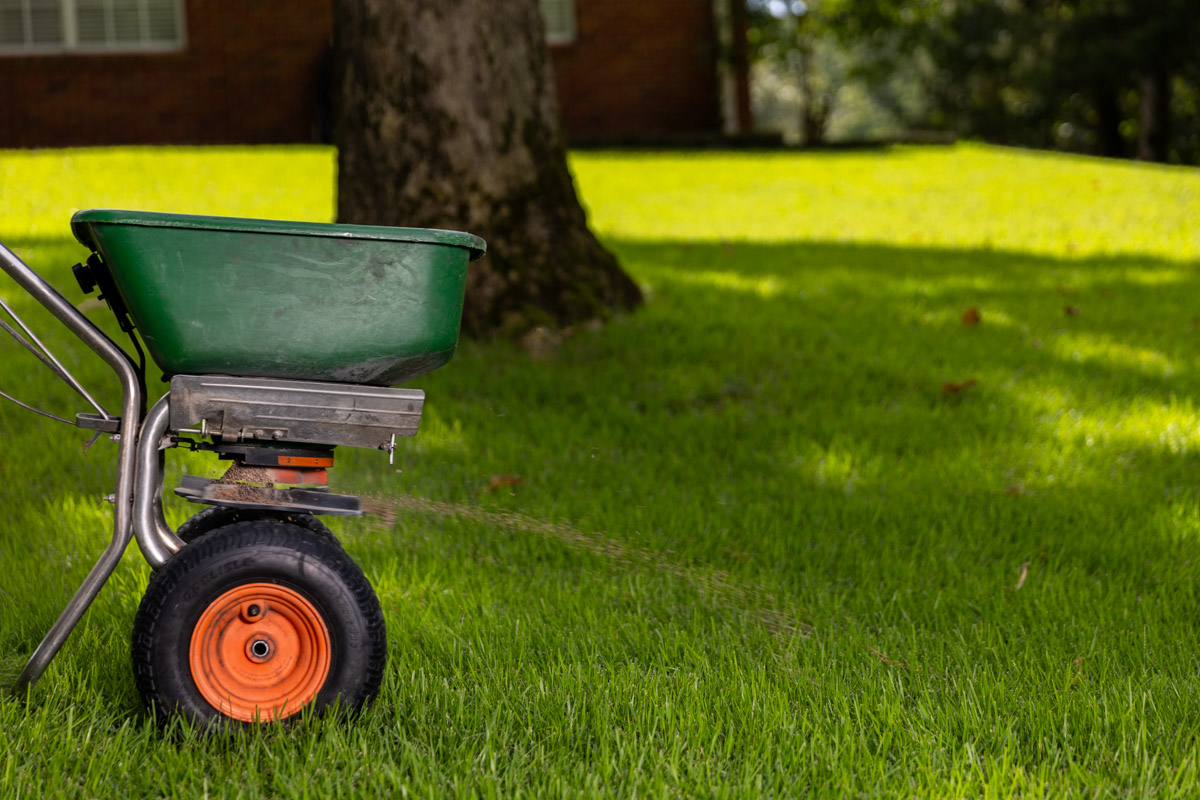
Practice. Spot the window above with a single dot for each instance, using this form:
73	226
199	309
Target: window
90	26
559	16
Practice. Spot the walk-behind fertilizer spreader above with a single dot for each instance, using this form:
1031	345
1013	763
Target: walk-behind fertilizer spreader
279	340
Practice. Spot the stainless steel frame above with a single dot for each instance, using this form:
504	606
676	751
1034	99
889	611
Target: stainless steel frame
155	538
131	400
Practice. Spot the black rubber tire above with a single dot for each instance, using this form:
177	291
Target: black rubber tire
214	517
257	551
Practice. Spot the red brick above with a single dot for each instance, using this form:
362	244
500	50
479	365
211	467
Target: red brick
249	75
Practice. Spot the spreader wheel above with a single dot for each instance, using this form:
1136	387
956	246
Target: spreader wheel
254	622
213	517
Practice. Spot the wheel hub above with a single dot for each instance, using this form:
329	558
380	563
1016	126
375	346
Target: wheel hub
260	651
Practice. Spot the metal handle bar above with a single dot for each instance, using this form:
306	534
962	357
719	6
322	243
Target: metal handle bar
44	355
131	401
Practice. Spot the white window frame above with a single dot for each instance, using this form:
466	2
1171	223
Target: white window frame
69	43
565	34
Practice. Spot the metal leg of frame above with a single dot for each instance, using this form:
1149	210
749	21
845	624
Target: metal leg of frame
131	402
156	539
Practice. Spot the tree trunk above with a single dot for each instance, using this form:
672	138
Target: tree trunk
1109	141
446	118
814	110
1154	139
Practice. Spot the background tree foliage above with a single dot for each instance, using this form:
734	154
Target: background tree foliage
796	38
1111	77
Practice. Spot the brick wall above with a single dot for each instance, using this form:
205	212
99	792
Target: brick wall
249	74
638	67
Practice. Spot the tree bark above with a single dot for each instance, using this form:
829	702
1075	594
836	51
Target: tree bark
446	117
814	111
1154	136
1109	141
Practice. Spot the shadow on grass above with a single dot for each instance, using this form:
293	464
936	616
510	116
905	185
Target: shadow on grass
786	403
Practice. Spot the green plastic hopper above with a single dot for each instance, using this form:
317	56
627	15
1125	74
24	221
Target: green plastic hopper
298	300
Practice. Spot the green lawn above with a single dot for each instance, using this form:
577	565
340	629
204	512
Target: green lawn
758	548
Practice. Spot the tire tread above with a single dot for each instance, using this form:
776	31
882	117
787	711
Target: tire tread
248	536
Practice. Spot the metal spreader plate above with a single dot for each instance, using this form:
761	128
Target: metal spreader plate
232	409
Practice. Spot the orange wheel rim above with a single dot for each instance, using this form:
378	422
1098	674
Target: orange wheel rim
260	652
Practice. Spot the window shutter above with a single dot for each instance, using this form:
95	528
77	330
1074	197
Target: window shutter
91	27
126	25
12	23
45	22
30	23
162	21
559	16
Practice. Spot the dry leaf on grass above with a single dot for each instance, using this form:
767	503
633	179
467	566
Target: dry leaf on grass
500	481
971	317
954	387
1024	574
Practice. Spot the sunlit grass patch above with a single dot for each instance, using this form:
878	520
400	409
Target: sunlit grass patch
969	196
288	183
1103	351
